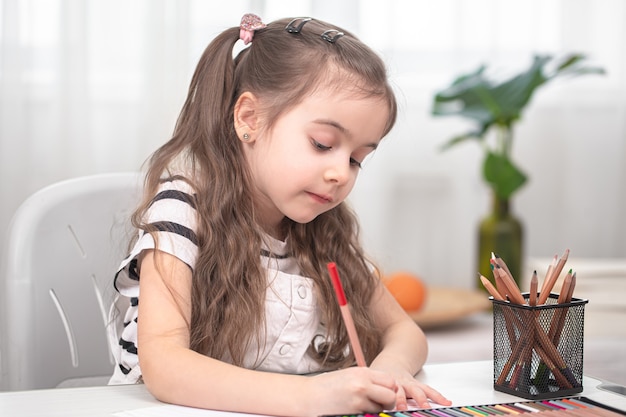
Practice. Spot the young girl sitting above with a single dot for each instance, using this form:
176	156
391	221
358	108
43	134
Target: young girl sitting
231	305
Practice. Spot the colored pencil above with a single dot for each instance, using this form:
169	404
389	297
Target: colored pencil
347	316
565	407
490	288
551	280
502	264
532	295
558	320
513	290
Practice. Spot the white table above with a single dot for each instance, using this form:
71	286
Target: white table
465	383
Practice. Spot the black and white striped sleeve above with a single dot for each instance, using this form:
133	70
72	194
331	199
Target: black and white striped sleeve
173	215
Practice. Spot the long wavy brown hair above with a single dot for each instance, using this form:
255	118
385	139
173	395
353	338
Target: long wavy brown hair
229	283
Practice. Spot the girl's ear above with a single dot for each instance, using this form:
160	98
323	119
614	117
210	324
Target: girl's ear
246	117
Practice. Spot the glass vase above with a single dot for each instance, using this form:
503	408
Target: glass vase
501	233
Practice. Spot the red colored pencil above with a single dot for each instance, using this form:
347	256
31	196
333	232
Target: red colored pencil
347	316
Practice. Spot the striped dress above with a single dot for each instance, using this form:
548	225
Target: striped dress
291	311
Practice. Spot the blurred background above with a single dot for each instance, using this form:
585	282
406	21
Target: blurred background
89	86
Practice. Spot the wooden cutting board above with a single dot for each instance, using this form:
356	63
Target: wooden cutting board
445	305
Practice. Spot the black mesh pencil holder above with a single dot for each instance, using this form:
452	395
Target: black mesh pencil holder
538	351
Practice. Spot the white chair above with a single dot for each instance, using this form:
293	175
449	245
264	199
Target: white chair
64	245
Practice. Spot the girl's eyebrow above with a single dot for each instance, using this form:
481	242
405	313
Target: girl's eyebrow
342	129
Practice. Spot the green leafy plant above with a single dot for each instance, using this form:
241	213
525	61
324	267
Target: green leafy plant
497	106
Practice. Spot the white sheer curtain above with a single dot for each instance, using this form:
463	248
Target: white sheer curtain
92	86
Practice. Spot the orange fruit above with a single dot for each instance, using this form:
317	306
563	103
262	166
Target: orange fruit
408	289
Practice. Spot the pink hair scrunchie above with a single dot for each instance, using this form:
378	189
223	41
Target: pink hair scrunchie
249	23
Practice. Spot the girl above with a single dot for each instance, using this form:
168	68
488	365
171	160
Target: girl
244	208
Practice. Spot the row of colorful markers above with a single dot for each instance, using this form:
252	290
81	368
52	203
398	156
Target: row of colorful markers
565	407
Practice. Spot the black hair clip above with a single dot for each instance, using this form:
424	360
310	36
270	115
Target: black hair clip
291	28
331	35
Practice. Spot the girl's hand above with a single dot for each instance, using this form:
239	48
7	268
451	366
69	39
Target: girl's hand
352	390
411	388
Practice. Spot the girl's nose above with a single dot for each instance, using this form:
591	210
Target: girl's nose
339	173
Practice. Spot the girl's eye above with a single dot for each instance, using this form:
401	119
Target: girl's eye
319	146
355	163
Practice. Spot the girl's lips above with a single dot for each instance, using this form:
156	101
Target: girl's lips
321	198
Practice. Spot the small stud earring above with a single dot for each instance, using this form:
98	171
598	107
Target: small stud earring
246	137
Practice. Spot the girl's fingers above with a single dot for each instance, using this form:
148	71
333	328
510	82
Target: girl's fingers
419	396
401	402
379	377
384	392
421	393
363	389
436	396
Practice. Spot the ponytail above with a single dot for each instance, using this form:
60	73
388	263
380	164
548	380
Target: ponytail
211	88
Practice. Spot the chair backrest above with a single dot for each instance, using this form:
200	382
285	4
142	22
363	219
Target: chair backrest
64	245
